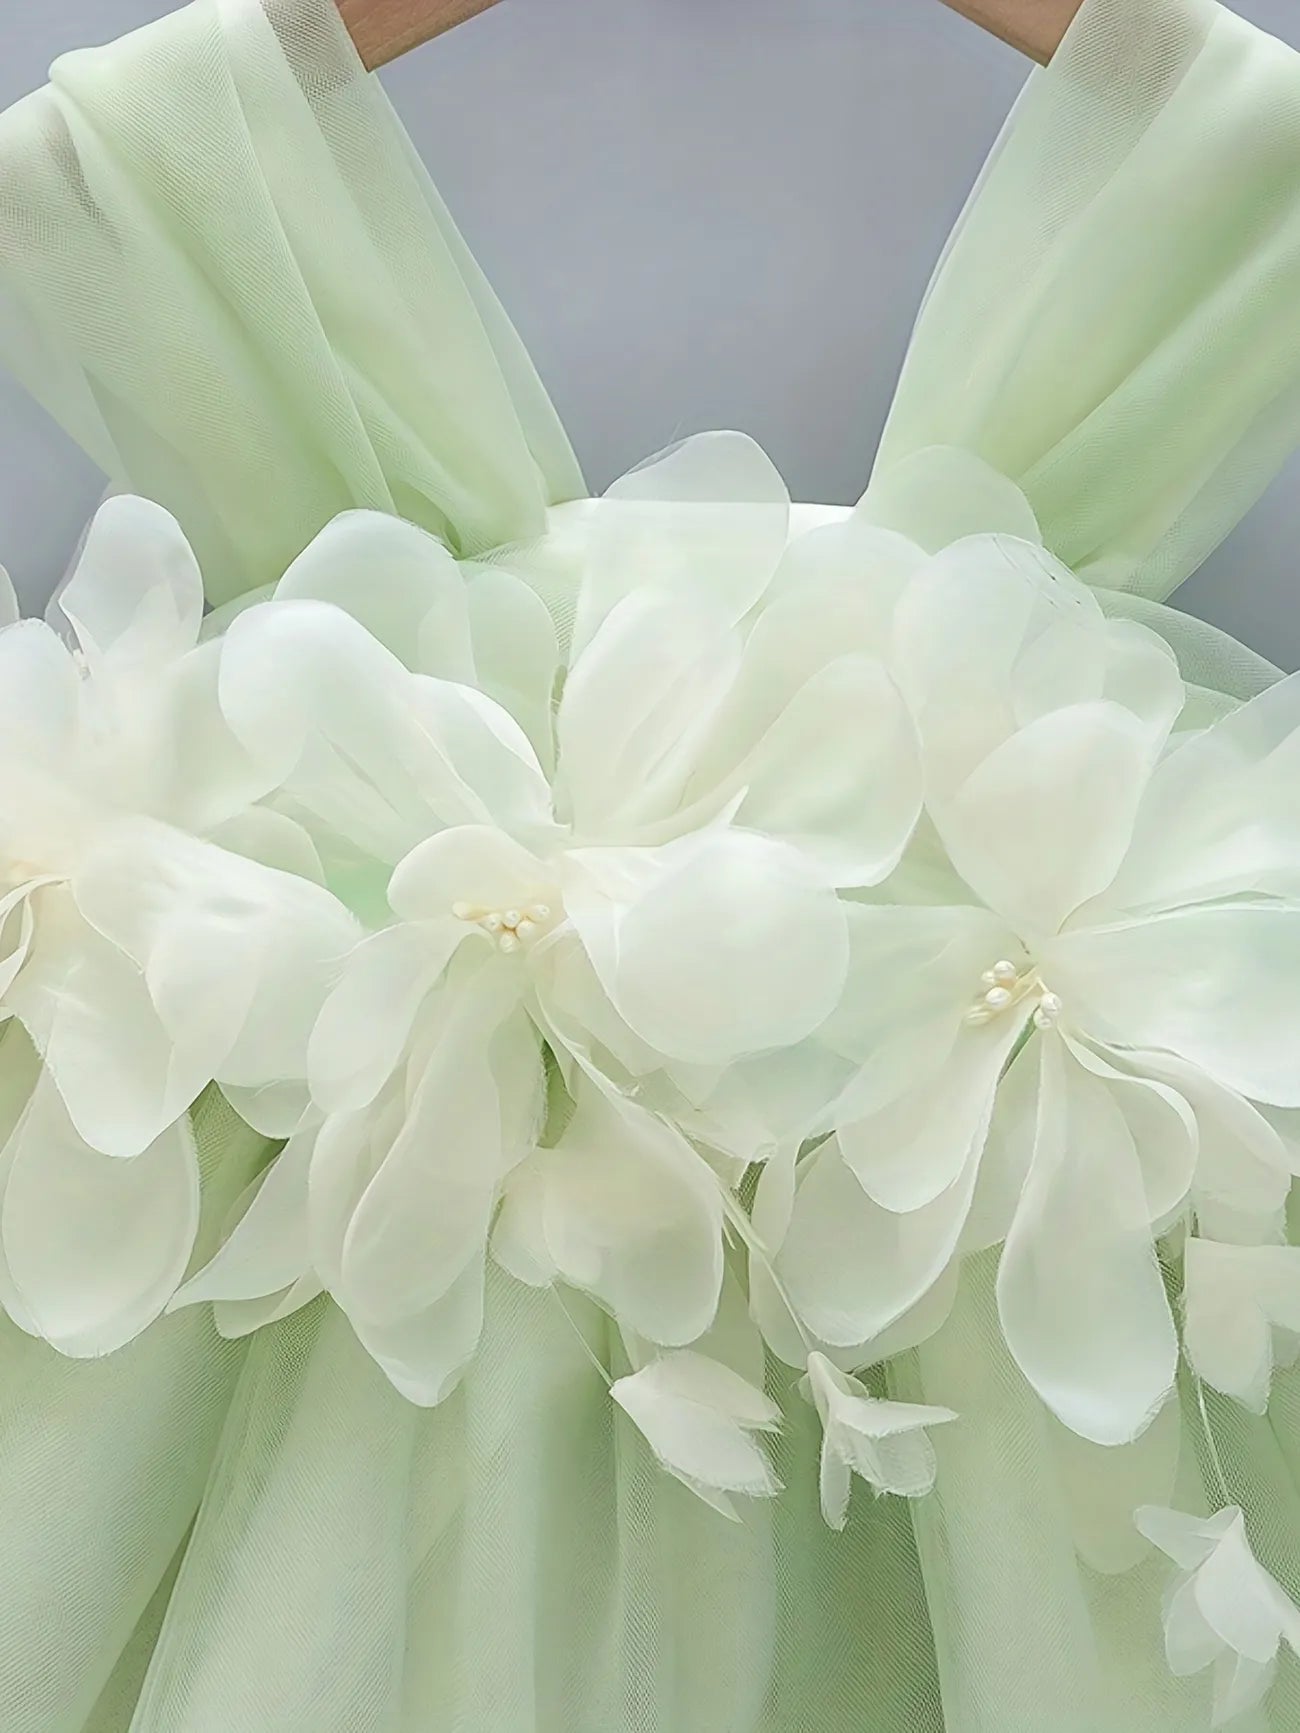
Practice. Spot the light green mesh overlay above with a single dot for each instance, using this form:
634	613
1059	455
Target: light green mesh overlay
223	270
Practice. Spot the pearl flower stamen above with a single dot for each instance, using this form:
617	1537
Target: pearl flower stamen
511	928
1004	985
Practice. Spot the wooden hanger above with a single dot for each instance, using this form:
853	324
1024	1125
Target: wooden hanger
383	29
1035	27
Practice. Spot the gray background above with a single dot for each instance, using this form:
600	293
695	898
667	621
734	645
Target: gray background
699	213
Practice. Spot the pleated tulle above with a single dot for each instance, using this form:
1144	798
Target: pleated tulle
515	1560
223	270
1112	323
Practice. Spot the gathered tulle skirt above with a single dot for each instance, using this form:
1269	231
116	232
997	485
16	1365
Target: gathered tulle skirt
207	1537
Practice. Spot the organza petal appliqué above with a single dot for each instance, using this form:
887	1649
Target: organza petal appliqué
883	1442
1079	1290
136	597
699	1417
713	946
622	1208
1225	1610
1236	1298
94	1246
1213	984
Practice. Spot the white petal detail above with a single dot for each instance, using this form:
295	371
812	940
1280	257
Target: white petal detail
400	1198
699	1417
1221	816
1080	1295
1042	824
1225	1609
723	944
1212	985
1234	1298
882	1442
365	1022
95	1246
237	957
708	515
267	1250
636	705
852	1268
837	773
625	1209
376	754
137	593
390	576
89	1013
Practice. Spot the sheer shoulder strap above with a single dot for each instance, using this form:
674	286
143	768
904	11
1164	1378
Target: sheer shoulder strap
1115	323
224	270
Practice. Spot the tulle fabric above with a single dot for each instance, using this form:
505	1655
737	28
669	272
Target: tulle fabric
1112	323
223	270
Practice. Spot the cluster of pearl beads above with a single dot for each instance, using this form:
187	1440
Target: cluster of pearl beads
512	929
1004	985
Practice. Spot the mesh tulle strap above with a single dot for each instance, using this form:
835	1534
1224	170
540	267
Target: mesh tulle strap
1113	324
223	269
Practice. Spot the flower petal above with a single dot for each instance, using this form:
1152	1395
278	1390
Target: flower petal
267	1249
235	1319
636	704
697	1416
470	863
938	494
236	956
425	1214
364	1026
837	773
137	593
1234	1297
722	944
1161	1124
628	1212
1080	1295
882	1442
1212	985
1043	823
390	576
1243	1169
1233	1596
88	1011
851	1268
1221	816
424	1354
910	1151
95	1246
40	698
379	755
708	516
1027	697
994	633
516	653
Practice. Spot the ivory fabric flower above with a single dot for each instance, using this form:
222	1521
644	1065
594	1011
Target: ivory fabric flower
1064	1038
883	1442
699	1417
1225	1611
1239	1301
630	853
116	767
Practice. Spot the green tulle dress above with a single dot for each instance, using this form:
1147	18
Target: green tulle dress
223	269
